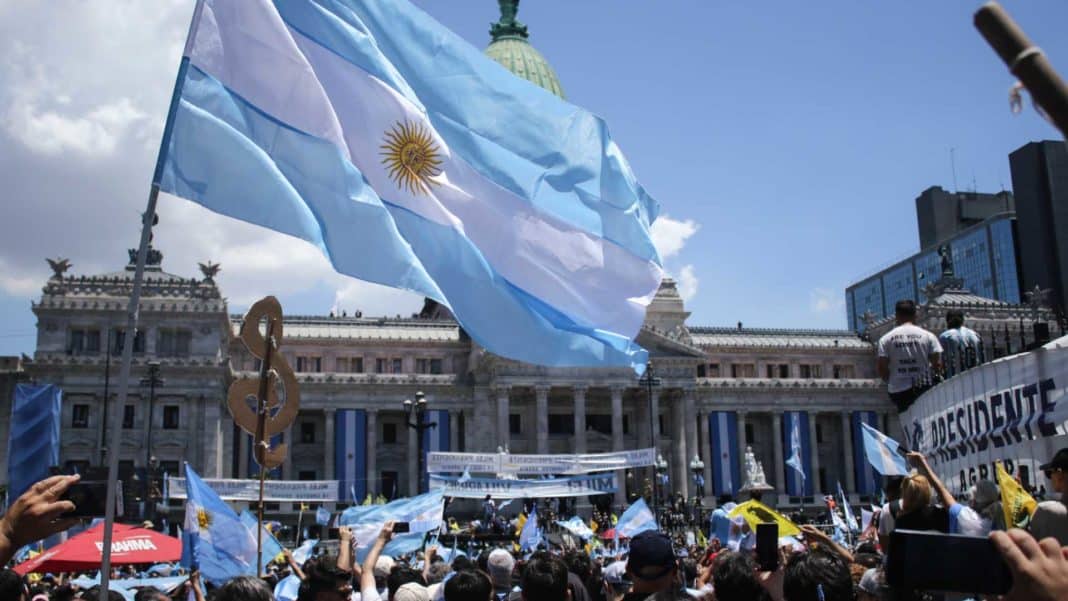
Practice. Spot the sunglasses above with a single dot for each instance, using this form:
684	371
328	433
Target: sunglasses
1049	473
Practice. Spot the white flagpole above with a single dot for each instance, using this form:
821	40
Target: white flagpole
132	311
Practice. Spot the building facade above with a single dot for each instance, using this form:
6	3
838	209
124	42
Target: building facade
941	215
1040	178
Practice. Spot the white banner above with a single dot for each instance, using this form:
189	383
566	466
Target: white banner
1012	410
316	491
478	488
506	463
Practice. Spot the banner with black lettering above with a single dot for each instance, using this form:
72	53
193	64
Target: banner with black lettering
507	463
1013	409
309	491
478	488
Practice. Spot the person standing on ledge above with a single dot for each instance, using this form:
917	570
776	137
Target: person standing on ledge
909	356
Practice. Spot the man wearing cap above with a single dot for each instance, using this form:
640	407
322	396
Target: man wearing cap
1051	517
652	568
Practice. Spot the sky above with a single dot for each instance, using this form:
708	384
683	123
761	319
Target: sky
786	142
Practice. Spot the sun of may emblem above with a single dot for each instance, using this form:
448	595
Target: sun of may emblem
411	156
203	519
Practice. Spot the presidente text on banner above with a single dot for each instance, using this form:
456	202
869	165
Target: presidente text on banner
506	463
1012	410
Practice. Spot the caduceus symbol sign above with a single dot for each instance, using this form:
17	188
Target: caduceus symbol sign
254	403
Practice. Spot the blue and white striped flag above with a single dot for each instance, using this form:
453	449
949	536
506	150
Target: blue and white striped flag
411	159
851	521
576	526
220	545
636	519
794	435
530	535
322	516
423	514
723	430
350	452
33	442
882	453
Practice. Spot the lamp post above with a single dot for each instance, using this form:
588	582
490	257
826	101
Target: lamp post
649	380
661	467
418	409
107	381
152	380
697	467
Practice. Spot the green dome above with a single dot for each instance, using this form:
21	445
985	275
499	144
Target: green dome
511	49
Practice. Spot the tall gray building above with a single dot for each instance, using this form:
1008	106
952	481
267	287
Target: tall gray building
1040	180
941	215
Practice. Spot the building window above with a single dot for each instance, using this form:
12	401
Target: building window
310	364
84	341
777	370
844	371
120	341
743	370
126	470
352	365
398	366
660	422
514	424
389	484
626	424
80	416
128	413
170	468
435	367
422	366
307	432
599	422
389	433
811	371
561	424
174	342
170	417
380	366
341	365
749	437
713	370
307	475
356	365
819	433
702	370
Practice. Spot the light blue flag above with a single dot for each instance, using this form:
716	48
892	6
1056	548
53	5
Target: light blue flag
221	546
322	516
287	589
882	452
530	535
795	461
423	514
412	160
576	526
636	519
33	442
851	521
304	551
271	546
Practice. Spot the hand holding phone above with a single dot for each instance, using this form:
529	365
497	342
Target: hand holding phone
767	547
90	499
401	527
932	561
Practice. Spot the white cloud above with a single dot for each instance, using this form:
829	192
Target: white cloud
822	300
18	282
670	235
687	281
94	133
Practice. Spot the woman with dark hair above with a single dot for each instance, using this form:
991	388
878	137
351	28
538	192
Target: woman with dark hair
244	588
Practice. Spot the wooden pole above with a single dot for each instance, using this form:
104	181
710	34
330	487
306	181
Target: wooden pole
1026	61
260	445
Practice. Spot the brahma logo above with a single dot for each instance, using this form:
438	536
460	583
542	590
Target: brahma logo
129	545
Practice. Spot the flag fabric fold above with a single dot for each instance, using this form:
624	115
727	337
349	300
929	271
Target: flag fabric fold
371	131
636	519
530	535
883	453
271	546
851	521
423	514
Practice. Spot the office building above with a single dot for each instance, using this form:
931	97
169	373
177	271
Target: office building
1040	180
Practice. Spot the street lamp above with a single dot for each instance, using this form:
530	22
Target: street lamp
698	467
661	476
418	409
152	380
649	380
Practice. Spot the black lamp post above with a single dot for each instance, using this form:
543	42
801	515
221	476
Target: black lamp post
661	467
649	380
418	409
152	380
698	467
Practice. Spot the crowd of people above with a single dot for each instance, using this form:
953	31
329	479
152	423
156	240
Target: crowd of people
720	565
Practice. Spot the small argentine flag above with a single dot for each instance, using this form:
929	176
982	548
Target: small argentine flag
636	519
883	453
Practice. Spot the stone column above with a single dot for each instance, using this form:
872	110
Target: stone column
216	441
243	458
706	451
814	477
454	431
740	418
847	439
780	462
413	461
484	422
579	397
502	416
541	418
329	438
373	485
226	453
617	441
678	441
469	427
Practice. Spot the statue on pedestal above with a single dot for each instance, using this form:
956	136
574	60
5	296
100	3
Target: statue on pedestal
755	482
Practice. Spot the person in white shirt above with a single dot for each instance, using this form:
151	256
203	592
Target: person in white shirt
960	344
909	357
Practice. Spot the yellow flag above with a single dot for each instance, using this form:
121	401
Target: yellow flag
1017	504
519	523
593	525
304	507
756	512
702	540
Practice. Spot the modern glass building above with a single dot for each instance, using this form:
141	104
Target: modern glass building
985	256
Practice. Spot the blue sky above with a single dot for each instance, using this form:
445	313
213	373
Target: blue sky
785	143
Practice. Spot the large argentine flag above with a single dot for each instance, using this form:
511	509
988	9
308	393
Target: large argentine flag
882	452
868	480
723	430
350	455
411	160
796	438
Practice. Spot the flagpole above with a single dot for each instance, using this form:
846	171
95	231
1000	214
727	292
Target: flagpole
132	310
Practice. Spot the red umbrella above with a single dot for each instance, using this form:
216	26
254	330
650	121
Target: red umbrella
609	534
129	544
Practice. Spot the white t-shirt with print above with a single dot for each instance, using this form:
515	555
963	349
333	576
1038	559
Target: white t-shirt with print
909	348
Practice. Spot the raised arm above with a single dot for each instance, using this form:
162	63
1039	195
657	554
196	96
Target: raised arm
36	515
814	534
367	578
344	550
920	462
